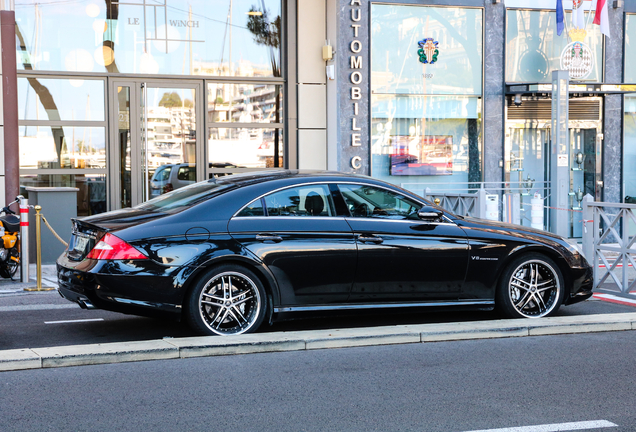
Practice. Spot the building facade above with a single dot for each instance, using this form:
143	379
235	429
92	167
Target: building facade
128	99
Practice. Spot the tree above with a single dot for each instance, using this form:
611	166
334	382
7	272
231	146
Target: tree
266	33
170	100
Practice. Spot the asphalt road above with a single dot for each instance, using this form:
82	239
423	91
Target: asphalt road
445	386
40	320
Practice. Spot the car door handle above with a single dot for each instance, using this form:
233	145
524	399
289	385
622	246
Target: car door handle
370	239
269	237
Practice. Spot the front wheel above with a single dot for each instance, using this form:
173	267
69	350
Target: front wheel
531	287
9	267
227	300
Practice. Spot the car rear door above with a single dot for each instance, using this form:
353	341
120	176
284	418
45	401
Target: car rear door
309	249
402	258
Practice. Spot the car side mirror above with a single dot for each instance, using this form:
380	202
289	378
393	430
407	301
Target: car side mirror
429	213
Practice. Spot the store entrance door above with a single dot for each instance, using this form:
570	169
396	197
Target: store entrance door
154	139
528	167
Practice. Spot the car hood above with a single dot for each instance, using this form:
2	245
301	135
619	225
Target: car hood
512	229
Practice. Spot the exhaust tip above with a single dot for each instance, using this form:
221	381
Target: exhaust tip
85	304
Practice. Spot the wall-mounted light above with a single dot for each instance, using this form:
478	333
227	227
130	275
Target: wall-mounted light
327	51
618	4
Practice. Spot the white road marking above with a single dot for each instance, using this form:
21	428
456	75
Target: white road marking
555	427
37	307
73	321
616	299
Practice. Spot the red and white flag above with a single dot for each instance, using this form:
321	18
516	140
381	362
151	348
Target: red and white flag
601	18
578	17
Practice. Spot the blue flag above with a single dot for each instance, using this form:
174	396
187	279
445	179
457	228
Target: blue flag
559	16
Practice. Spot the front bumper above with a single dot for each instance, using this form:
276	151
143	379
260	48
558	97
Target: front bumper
582	284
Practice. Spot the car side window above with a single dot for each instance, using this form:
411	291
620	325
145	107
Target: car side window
309	200
164	174
255	208
374	202
187	173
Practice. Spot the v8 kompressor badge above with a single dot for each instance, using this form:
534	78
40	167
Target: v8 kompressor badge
428	51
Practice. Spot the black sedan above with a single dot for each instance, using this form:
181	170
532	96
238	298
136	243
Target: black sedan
230	253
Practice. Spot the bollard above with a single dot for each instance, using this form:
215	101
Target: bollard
38	252
24	239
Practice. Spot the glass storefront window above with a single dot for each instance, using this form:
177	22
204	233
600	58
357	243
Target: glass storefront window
60	99
91	196
426	81
533	49
399	32
244	103
195	37
433	136
245	148
62	147
630	48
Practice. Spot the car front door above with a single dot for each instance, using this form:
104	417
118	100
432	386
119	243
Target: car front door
402	258
309	249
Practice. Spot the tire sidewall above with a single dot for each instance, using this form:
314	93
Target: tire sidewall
503	301
193	313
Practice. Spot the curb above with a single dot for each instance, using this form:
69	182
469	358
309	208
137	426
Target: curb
205	346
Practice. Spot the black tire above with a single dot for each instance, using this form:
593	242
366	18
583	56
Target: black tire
531	286
227	300
9	267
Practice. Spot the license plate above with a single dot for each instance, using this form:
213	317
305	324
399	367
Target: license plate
80	244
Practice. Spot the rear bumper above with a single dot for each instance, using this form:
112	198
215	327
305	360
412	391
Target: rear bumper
139	288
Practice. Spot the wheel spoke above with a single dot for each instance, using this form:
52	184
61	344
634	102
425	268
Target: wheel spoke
209	303
519	280
549	281
236	317
520	287
540	303
240	302
218	324
527	297
213	297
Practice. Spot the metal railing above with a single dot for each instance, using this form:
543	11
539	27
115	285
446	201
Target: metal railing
609	242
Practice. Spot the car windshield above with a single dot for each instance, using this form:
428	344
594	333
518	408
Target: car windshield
185	197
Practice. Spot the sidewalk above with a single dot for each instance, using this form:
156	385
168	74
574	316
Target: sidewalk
15	286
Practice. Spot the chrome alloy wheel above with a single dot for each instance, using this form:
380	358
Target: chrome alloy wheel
229	303
534	289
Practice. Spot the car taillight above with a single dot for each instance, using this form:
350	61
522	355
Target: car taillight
114	248
167	188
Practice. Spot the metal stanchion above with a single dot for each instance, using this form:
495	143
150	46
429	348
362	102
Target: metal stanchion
24	239
38	249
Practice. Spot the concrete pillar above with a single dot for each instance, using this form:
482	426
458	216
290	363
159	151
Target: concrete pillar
312	89
11	152
613	109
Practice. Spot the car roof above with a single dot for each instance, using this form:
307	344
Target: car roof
244	179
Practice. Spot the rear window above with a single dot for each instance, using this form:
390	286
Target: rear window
184	197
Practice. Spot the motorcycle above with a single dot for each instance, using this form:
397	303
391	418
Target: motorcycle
10	245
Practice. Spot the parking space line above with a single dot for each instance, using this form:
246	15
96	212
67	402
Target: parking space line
73	321
557	427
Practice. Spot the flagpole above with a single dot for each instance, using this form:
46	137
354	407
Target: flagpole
589	15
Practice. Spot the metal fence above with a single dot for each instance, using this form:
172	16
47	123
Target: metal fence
609	242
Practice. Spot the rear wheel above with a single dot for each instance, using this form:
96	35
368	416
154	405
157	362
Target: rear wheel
530	287
227	300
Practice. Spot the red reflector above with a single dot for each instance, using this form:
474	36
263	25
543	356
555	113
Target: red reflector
114	248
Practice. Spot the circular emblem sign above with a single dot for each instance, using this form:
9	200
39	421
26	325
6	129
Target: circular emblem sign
577	58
